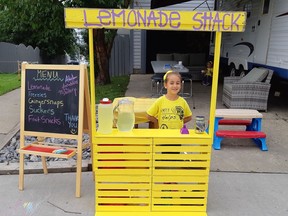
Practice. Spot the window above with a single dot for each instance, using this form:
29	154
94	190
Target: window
266	6
248	8
220	3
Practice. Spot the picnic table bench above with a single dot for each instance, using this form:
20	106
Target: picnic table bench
252	119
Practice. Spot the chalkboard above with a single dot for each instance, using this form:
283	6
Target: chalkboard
52	101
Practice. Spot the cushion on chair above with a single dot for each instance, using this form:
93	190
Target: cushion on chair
255	75
164	57
182	57
196	59
228	87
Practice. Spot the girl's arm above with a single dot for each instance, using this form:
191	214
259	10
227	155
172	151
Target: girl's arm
154	120
187	119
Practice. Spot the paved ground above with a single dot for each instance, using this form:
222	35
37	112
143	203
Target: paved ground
9	115
244	180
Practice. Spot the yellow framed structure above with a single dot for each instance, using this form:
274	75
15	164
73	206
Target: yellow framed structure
141	172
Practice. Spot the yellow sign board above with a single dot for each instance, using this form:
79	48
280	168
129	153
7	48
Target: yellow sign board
155	19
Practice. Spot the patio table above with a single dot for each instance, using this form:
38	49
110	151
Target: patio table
164	66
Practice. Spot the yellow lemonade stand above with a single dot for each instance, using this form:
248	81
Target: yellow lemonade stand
153	171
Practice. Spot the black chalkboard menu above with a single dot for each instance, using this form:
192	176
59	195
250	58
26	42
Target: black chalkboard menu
52	101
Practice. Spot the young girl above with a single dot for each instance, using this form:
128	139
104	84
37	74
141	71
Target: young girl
170	111
207	74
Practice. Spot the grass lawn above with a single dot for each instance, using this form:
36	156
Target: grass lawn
117	88
8	82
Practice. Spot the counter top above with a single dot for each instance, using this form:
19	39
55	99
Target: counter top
154	133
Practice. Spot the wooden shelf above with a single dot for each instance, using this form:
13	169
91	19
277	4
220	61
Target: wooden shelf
47	151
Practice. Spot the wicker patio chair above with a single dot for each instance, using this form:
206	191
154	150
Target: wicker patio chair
248	92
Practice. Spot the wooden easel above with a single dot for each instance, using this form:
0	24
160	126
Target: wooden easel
44	149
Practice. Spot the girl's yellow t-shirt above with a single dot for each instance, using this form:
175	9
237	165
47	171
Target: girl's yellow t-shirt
209	71
170	114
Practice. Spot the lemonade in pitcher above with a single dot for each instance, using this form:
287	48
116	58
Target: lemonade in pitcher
126	117
126	121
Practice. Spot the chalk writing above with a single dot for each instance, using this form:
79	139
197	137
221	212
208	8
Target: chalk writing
51	101
47	75
72	120
37	95
57	103
71	83
65	91
67	87
38	87
40	110
70	78
44	120
53	120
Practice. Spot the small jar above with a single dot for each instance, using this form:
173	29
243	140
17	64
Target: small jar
200	124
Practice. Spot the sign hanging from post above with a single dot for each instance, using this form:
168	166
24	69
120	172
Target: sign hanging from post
155	19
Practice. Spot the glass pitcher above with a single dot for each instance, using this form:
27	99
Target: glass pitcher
126	116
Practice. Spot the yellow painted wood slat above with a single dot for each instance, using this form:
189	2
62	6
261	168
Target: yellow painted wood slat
180	193
191	209
124	200
171	148
126	163
179	187
123	171
134	192
181	164
116	210
158	213
123	178
179	201
195	156
181	141
181	179
140	156
127	140
126	148
110	186
168	172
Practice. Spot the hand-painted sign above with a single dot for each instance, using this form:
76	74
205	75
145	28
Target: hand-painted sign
155	19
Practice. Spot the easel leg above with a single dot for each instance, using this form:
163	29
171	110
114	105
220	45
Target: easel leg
78	173
43	159
45	170
21	172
